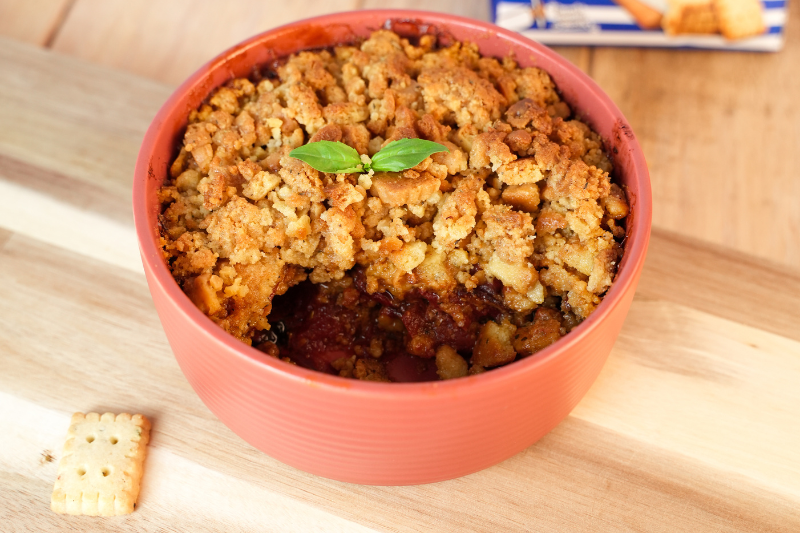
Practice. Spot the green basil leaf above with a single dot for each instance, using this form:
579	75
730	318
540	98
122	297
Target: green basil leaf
328	156
404	153
359	169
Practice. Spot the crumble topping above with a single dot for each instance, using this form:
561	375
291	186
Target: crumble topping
522	202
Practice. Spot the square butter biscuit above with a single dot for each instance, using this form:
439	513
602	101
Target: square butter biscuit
740	18
690	16
101	467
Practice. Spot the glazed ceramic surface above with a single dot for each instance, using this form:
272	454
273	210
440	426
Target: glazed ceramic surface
378	433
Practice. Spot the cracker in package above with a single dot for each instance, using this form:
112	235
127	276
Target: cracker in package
690	16
739	18
756	25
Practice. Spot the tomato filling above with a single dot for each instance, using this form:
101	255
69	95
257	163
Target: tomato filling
340	329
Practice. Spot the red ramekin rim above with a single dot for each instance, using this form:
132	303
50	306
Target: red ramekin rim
629	268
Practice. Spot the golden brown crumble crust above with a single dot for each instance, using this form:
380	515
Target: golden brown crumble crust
523	196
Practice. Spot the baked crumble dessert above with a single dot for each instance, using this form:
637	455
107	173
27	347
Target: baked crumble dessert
475	257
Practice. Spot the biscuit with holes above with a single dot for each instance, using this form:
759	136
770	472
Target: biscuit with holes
740	18
101	467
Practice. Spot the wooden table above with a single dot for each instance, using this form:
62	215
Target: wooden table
693	425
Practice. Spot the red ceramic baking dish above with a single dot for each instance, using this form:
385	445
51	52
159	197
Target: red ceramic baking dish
395	433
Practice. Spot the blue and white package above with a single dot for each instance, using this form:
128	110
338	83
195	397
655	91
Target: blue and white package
755	25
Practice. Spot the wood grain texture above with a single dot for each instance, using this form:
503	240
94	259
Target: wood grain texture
242	507
721	132
691	426
69	149
723	282
74	118
167	41
633	456
476	9
719	128
32	21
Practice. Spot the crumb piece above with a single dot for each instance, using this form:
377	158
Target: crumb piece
410	187
494	345
449	364
545	330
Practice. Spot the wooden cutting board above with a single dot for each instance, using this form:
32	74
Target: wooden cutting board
693	425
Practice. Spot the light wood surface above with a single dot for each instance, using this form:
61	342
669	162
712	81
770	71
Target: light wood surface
32	21
720	129
691	426
721	133
167	41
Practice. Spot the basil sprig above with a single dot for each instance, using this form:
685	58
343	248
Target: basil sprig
339	158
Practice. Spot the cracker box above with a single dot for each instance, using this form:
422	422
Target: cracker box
755	25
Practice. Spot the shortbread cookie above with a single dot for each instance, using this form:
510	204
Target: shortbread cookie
101	467
740	18
690	16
